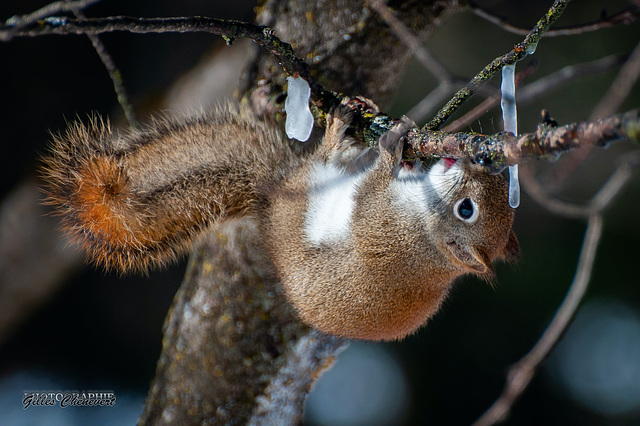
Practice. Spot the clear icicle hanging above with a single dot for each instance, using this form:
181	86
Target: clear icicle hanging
510	120
299	122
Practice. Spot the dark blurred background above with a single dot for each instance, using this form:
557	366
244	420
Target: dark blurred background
101	331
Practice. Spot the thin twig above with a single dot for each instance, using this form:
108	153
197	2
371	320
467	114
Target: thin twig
615	184
429	103
608	104
414	44
368	127
447	80
620	88
490	102
114	73
496	151
521	373
625	17
518	53
20	21
596	205
228	29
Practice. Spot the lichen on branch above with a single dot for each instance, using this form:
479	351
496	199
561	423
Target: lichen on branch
504	149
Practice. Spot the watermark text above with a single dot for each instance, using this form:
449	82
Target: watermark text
69	399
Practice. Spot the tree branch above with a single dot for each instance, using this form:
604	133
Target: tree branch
18	22
504	149
493	151
369	127
281	400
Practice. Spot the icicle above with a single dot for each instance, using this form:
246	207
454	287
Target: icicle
514	187
510	120
299	118
508	102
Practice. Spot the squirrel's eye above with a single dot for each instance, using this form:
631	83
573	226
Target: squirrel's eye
466	210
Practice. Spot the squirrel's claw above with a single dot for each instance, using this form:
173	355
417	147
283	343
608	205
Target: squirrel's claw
393	141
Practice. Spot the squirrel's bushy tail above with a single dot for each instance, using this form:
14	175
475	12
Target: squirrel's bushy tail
140	198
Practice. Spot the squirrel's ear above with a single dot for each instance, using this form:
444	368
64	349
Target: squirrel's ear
473	258
512	248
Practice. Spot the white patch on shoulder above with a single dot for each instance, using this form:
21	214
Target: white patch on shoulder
330	203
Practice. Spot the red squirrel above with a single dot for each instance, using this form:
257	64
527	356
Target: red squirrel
365	245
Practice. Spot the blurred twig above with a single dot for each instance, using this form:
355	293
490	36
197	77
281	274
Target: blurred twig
34	257
625	17
609	103
420	52
596	205
521	373
620	88
447	80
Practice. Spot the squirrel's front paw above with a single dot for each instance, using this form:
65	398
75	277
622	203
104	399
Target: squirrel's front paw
340	117
335	139
392	142
361	103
